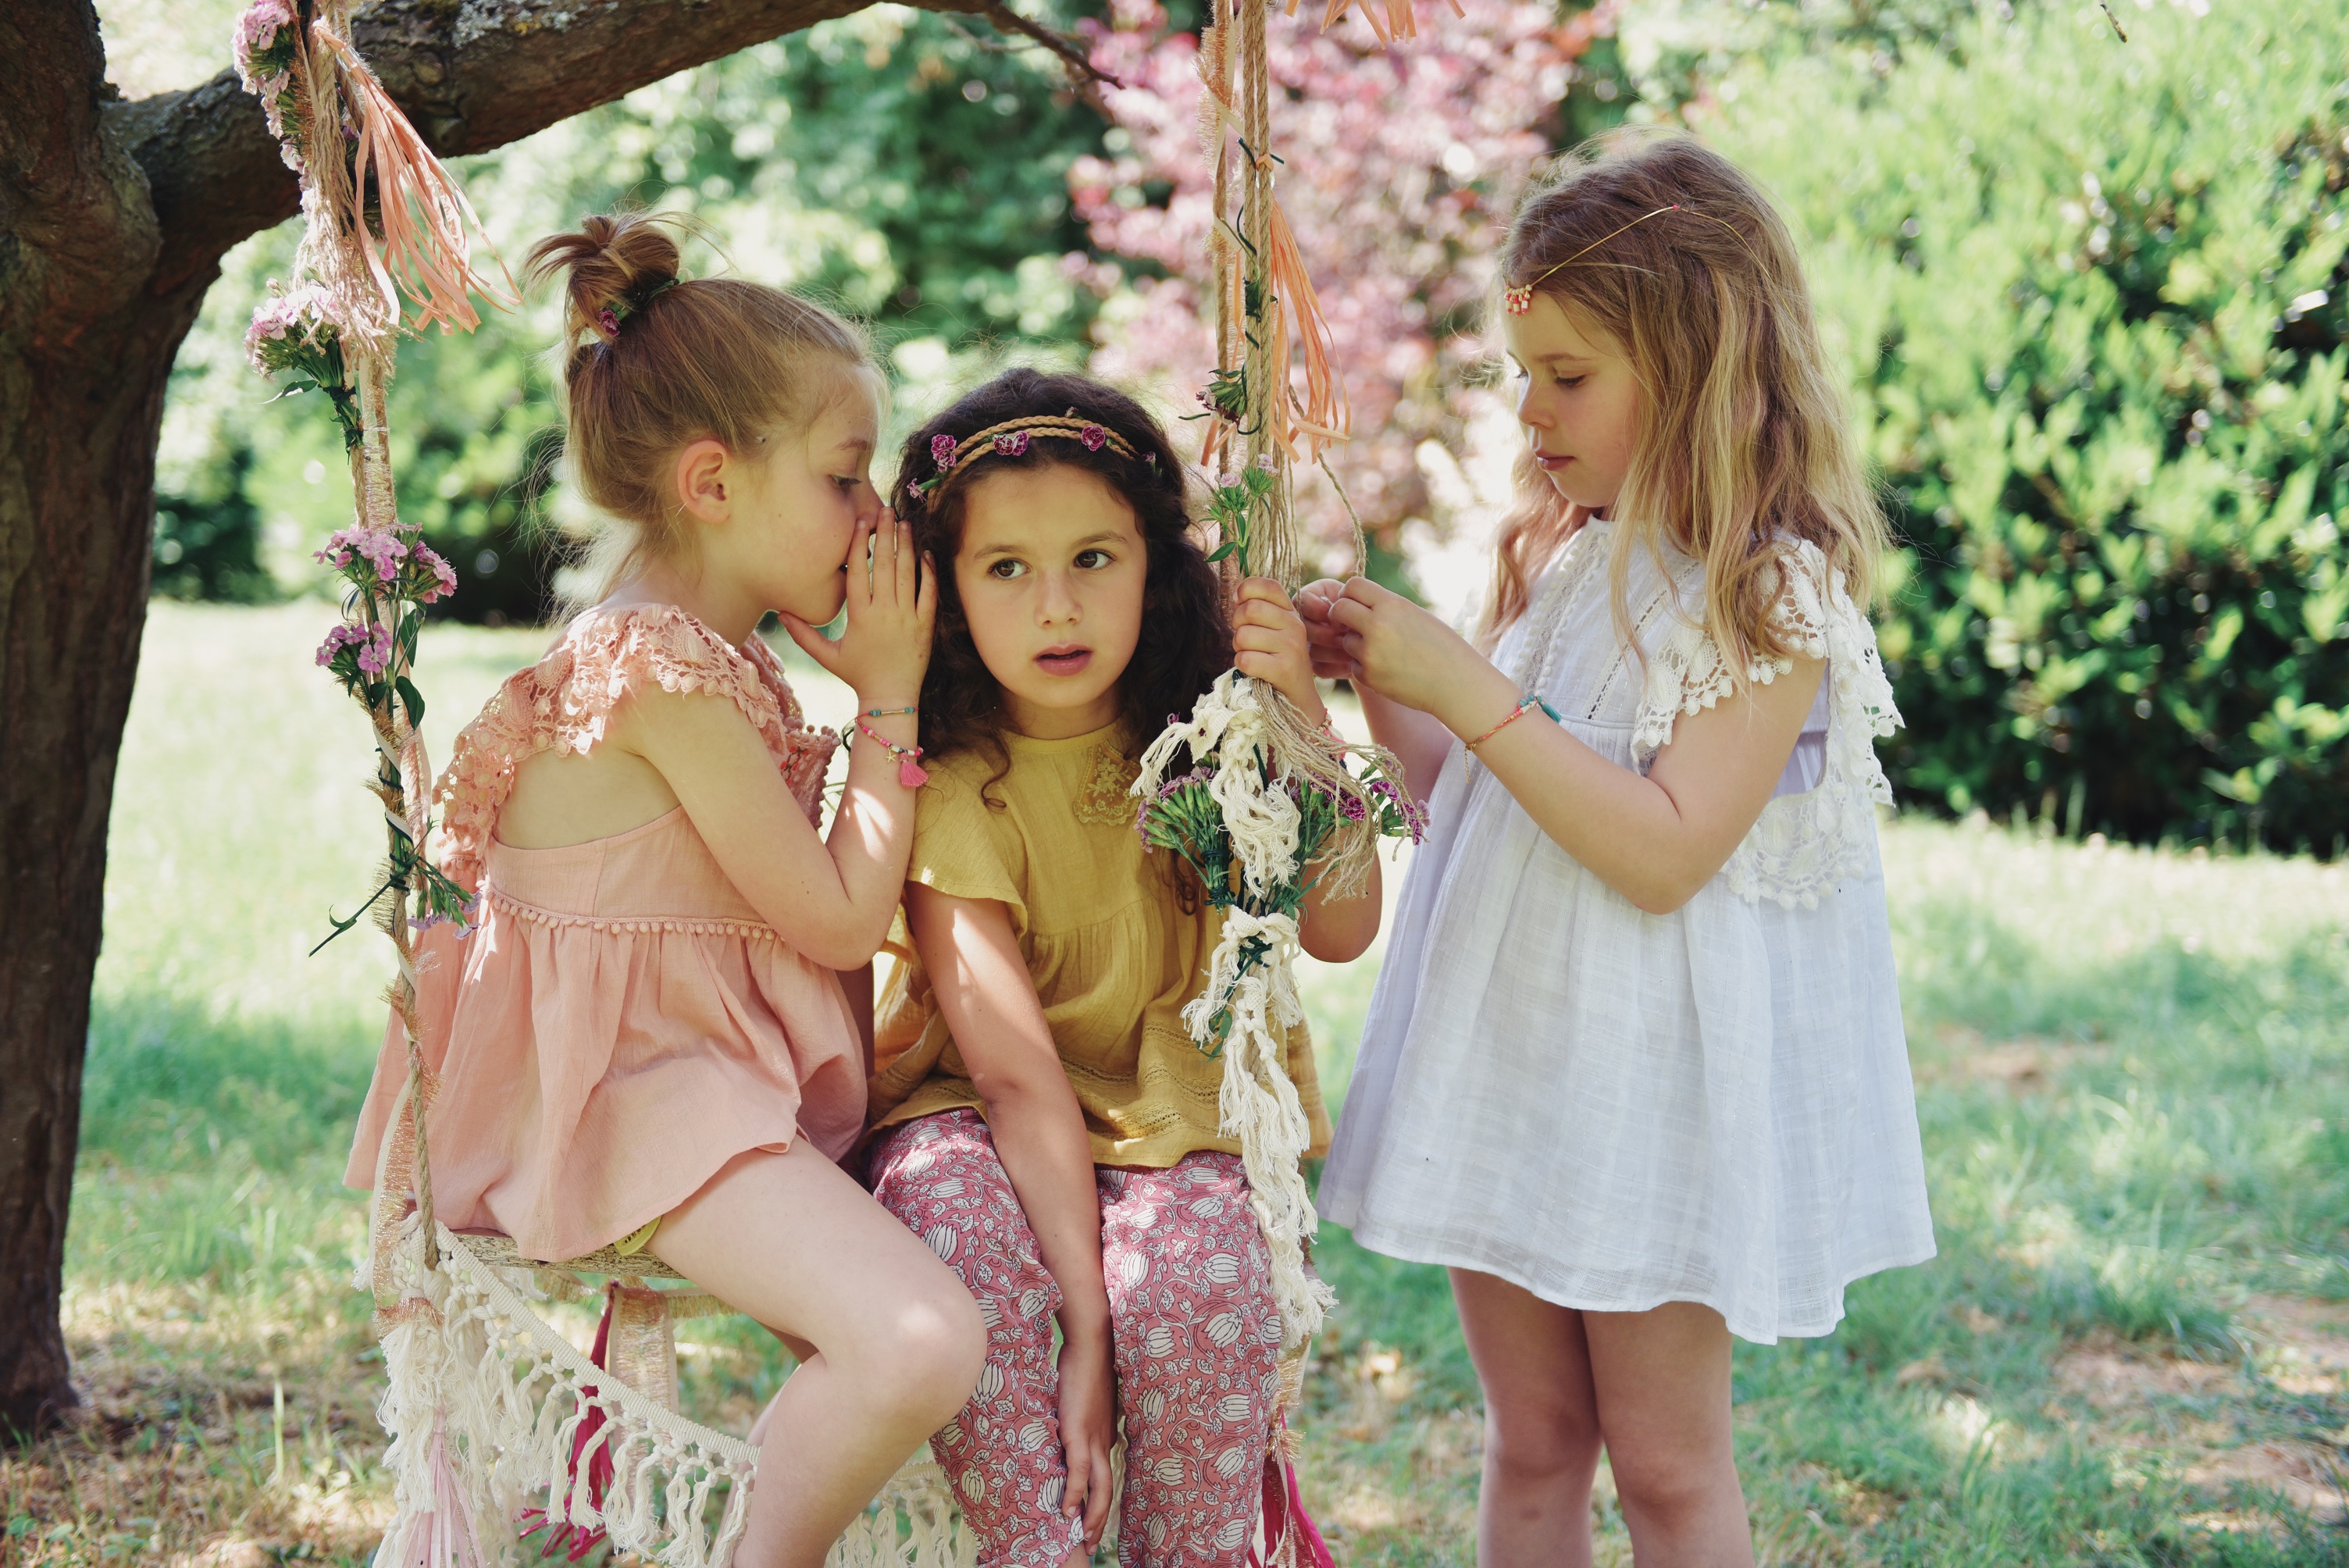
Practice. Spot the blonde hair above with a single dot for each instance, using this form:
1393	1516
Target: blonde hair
1743	442
651	364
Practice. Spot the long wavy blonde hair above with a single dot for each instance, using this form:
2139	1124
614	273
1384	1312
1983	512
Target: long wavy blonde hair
1743	442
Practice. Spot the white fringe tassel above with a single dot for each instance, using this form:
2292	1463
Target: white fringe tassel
485	1399
1259	1104
1260	1108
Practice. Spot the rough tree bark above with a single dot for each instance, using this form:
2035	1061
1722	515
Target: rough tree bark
114	216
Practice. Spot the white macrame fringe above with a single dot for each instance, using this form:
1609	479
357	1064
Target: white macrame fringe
483	1405
1260	1108
1228	725
1258	1103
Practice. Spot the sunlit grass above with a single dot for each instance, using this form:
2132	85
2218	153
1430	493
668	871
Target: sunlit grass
2133	1084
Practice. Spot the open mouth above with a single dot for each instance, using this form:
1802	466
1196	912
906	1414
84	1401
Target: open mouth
1066	660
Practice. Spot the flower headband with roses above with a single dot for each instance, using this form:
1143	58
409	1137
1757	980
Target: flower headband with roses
1013	438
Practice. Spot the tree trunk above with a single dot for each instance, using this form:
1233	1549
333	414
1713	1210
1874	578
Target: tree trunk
113	220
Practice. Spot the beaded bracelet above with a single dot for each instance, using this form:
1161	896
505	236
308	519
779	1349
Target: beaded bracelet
1526	705
910	772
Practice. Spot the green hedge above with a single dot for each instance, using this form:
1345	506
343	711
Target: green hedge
2092	294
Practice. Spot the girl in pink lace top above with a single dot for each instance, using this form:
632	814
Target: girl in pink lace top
644	1038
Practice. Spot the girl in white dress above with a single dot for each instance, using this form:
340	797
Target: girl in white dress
1634	1069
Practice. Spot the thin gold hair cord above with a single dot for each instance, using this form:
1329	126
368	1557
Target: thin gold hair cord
1520	297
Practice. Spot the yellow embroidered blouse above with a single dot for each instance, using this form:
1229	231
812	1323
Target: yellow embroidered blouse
1114	954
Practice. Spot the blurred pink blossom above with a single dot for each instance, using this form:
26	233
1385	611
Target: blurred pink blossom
256	30
1400	168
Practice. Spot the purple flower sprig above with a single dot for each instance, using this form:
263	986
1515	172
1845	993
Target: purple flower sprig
264	46
299	335
392	573
389	575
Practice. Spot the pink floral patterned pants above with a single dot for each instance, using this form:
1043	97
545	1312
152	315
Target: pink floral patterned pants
1196	1340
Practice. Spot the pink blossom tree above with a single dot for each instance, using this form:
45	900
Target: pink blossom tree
1400	166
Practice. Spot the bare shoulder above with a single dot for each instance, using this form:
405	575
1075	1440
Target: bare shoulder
562	796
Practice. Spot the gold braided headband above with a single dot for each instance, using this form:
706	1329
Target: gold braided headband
1011	438
1520	298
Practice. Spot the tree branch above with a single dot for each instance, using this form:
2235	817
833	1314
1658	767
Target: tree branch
1089	77
471	77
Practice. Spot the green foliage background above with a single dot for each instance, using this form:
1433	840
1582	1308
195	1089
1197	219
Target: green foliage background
2090	293
908	167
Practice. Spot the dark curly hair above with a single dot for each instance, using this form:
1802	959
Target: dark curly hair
1187	640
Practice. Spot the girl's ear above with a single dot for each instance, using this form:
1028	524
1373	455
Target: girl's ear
704	476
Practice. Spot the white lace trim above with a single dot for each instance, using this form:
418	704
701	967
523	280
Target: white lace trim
1803	847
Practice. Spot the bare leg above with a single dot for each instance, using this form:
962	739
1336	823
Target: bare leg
1662	1383
1541	1424
791	1240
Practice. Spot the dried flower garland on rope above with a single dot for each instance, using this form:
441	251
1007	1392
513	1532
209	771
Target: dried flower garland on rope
1262	805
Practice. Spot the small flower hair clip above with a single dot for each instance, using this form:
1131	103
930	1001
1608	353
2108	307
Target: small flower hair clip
942	450
1093	437
1012	443
632	303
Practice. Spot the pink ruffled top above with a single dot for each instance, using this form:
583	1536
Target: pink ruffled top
620	1022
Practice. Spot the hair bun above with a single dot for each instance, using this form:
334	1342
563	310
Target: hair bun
611	258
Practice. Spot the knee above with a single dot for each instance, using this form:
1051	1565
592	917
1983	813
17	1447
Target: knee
1662	1479
1539	1440
924	1356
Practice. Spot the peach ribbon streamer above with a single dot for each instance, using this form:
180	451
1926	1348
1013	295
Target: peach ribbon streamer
423	249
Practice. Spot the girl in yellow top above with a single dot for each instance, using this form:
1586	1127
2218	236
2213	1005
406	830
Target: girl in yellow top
1046	1123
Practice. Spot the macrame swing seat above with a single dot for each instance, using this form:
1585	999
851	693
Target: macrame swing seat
496	1416
507	1442
499	1425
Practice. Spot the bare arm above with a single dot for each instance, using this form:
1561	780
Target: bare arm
1419	741
832	899
989	1001
1270	644
1656	839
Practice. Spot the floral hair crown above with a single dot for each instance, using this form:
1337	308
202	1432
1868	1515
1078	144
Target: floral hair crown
1013	438
1520	298
631	300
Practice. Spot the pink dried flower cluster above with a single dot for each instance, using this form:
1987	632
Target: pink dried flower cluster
1400	168
374	645
380	546
256	36
264	46
282	322
383	550
444	576
1414	815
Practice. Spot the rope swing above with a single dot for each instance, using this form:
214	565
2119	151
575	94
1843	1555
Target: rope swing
500	1428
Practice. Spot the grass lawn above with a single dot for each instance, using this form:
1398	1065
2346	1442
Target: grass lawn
2133	1068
